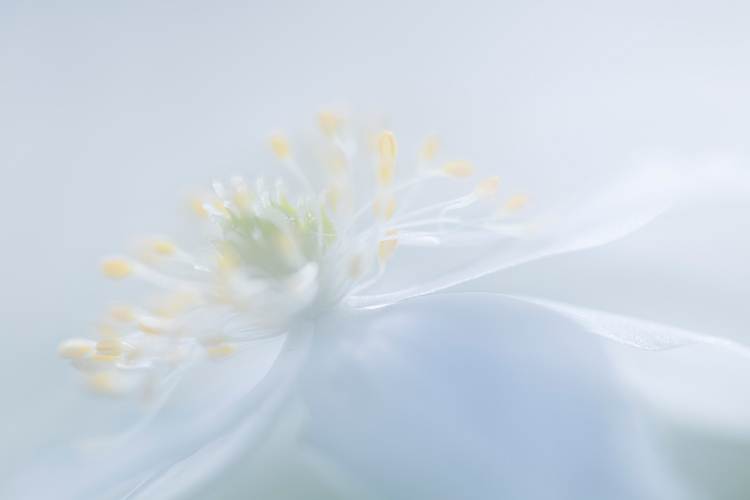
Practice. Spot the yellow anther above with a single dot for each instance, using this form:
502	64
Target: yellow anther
386	248
243	197
287	246
110	347
121	312
227	262
430	148
75	348
328	123
516	202
280	146
219	352
385	172
220	206
387	147
149	326
196	204
163	246
487	188
117	268
458	169
384	208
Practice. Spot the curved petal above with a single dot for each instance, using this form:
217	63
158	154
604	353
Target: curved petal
698	380
688	268
692	387
607	215
474	396
201	427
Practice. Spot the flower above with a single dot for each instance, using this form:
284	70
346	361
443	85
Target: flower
305	289
276	257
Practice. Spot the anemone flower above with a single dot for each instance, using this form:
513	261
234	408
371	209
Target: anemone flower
307	321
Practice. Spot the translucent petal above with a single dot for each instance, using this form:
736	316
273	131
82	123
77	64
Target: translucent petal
564	226
689	268
698	380
236	399
474	396
691	388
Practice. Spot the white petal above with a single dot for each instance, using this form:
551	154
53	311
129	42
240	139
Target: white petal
698	380
187	442
473	396
605	216
688	268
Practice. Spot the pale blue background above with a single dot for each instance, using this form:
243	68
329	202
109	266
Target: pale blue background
108	109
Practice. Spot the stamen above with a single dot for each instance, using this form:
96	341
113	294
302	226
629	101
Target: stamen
122	313
220	352
215	211
101	358
219	189
387	147
242	195
111	347
154	277
280	146
458	169
387	247
429	150
93	363
516	202
75	348
289	250
117	268
196	204
328	123
151	326
487	188
384	205
227	261
385	172
449	204
163	246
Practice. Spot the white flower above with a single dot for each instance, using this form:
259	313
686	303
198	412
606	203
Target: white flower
298	306
282	254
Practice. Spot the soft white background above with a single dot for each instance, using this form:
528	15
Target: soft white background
108	109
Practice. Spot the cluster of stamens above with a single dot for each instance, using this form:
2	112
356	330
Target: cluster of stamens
278	253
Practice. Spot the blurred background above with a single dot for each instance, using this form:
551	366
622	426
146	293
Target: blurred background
109	109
